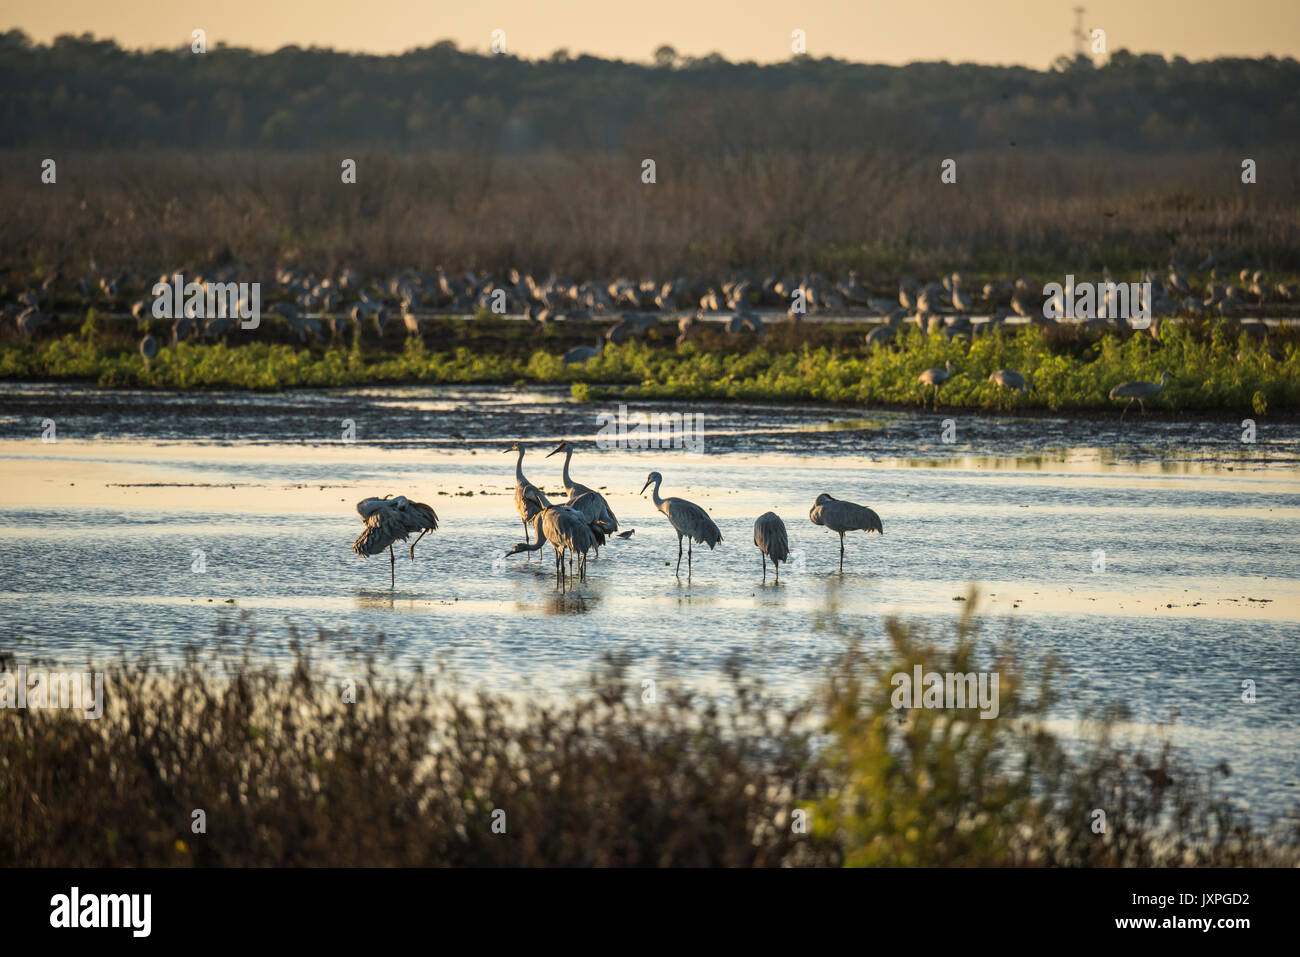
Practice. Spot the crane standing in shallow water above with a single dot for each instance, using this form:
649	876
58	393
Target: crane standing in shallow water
772	541
388	520
687	519
529	499
587	500
568	532
1136	391
840	516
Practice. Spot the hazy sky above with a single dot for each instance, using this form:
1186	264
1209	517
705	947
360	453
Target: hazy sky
1031	32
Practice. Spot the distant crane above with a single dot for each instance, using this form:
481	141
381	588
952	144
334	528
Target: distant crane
687	519
840	516
934	378
148	349
527	506
580	354
1136	391
772	541
388	520
1009	379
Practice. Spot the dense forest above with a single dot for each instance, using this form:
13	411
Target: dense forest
80	92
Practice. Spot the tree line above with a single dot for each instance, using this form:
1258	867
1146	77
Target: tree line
83	92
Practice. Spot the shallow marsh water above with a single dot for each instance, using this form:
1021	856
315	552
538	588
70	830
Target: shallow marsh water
100	531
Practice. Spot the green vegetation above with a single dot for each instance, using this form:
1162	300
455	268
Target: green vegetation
289	774
1215	367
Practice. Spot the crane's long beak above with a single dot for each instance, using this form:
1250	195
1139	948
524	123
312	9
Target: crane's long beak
554	450
644	487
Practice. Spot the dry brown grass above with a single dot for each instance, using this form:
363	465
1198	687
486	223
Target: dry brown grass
413	772
591	216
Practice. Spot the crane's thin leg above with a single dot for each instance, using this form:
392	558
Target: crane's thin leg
1126	408
690	549
764	557
528	556
1142	405
417	542
841	552
679	556
392	567
777	566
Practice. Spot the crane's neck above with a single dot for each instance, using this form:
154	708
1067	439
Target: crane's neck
519	469
568	454
657	500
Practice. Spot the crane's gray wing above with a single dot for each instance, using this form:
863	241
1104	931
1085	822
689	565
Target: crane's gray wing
382	529
689	519
368	506
418	517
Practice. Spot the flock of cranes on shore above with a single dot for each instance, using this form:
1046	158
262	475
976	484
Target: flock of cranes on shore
585	522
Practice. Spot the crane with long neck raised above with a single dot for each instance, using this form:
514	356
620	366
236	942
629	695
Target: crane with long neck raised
688	520
586	499
529	499
572	488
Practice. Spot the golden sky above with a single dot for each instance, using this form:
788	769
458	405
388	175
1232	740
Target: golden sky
1030	32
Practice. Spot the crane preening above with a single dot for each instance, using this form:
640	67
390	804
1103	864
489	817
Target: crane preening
391	519
773	542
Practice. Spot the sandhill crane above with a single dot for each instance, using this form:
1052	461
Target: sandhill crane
907	295
567	531
961	300
594	507
621	331
183	328
931	300
746	322
597	514
854	291
215	328
840	516
684	326
1008	379
772	541
526	504
29	320
1136	391
580	354
933	378
571	488
687	519
390	519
